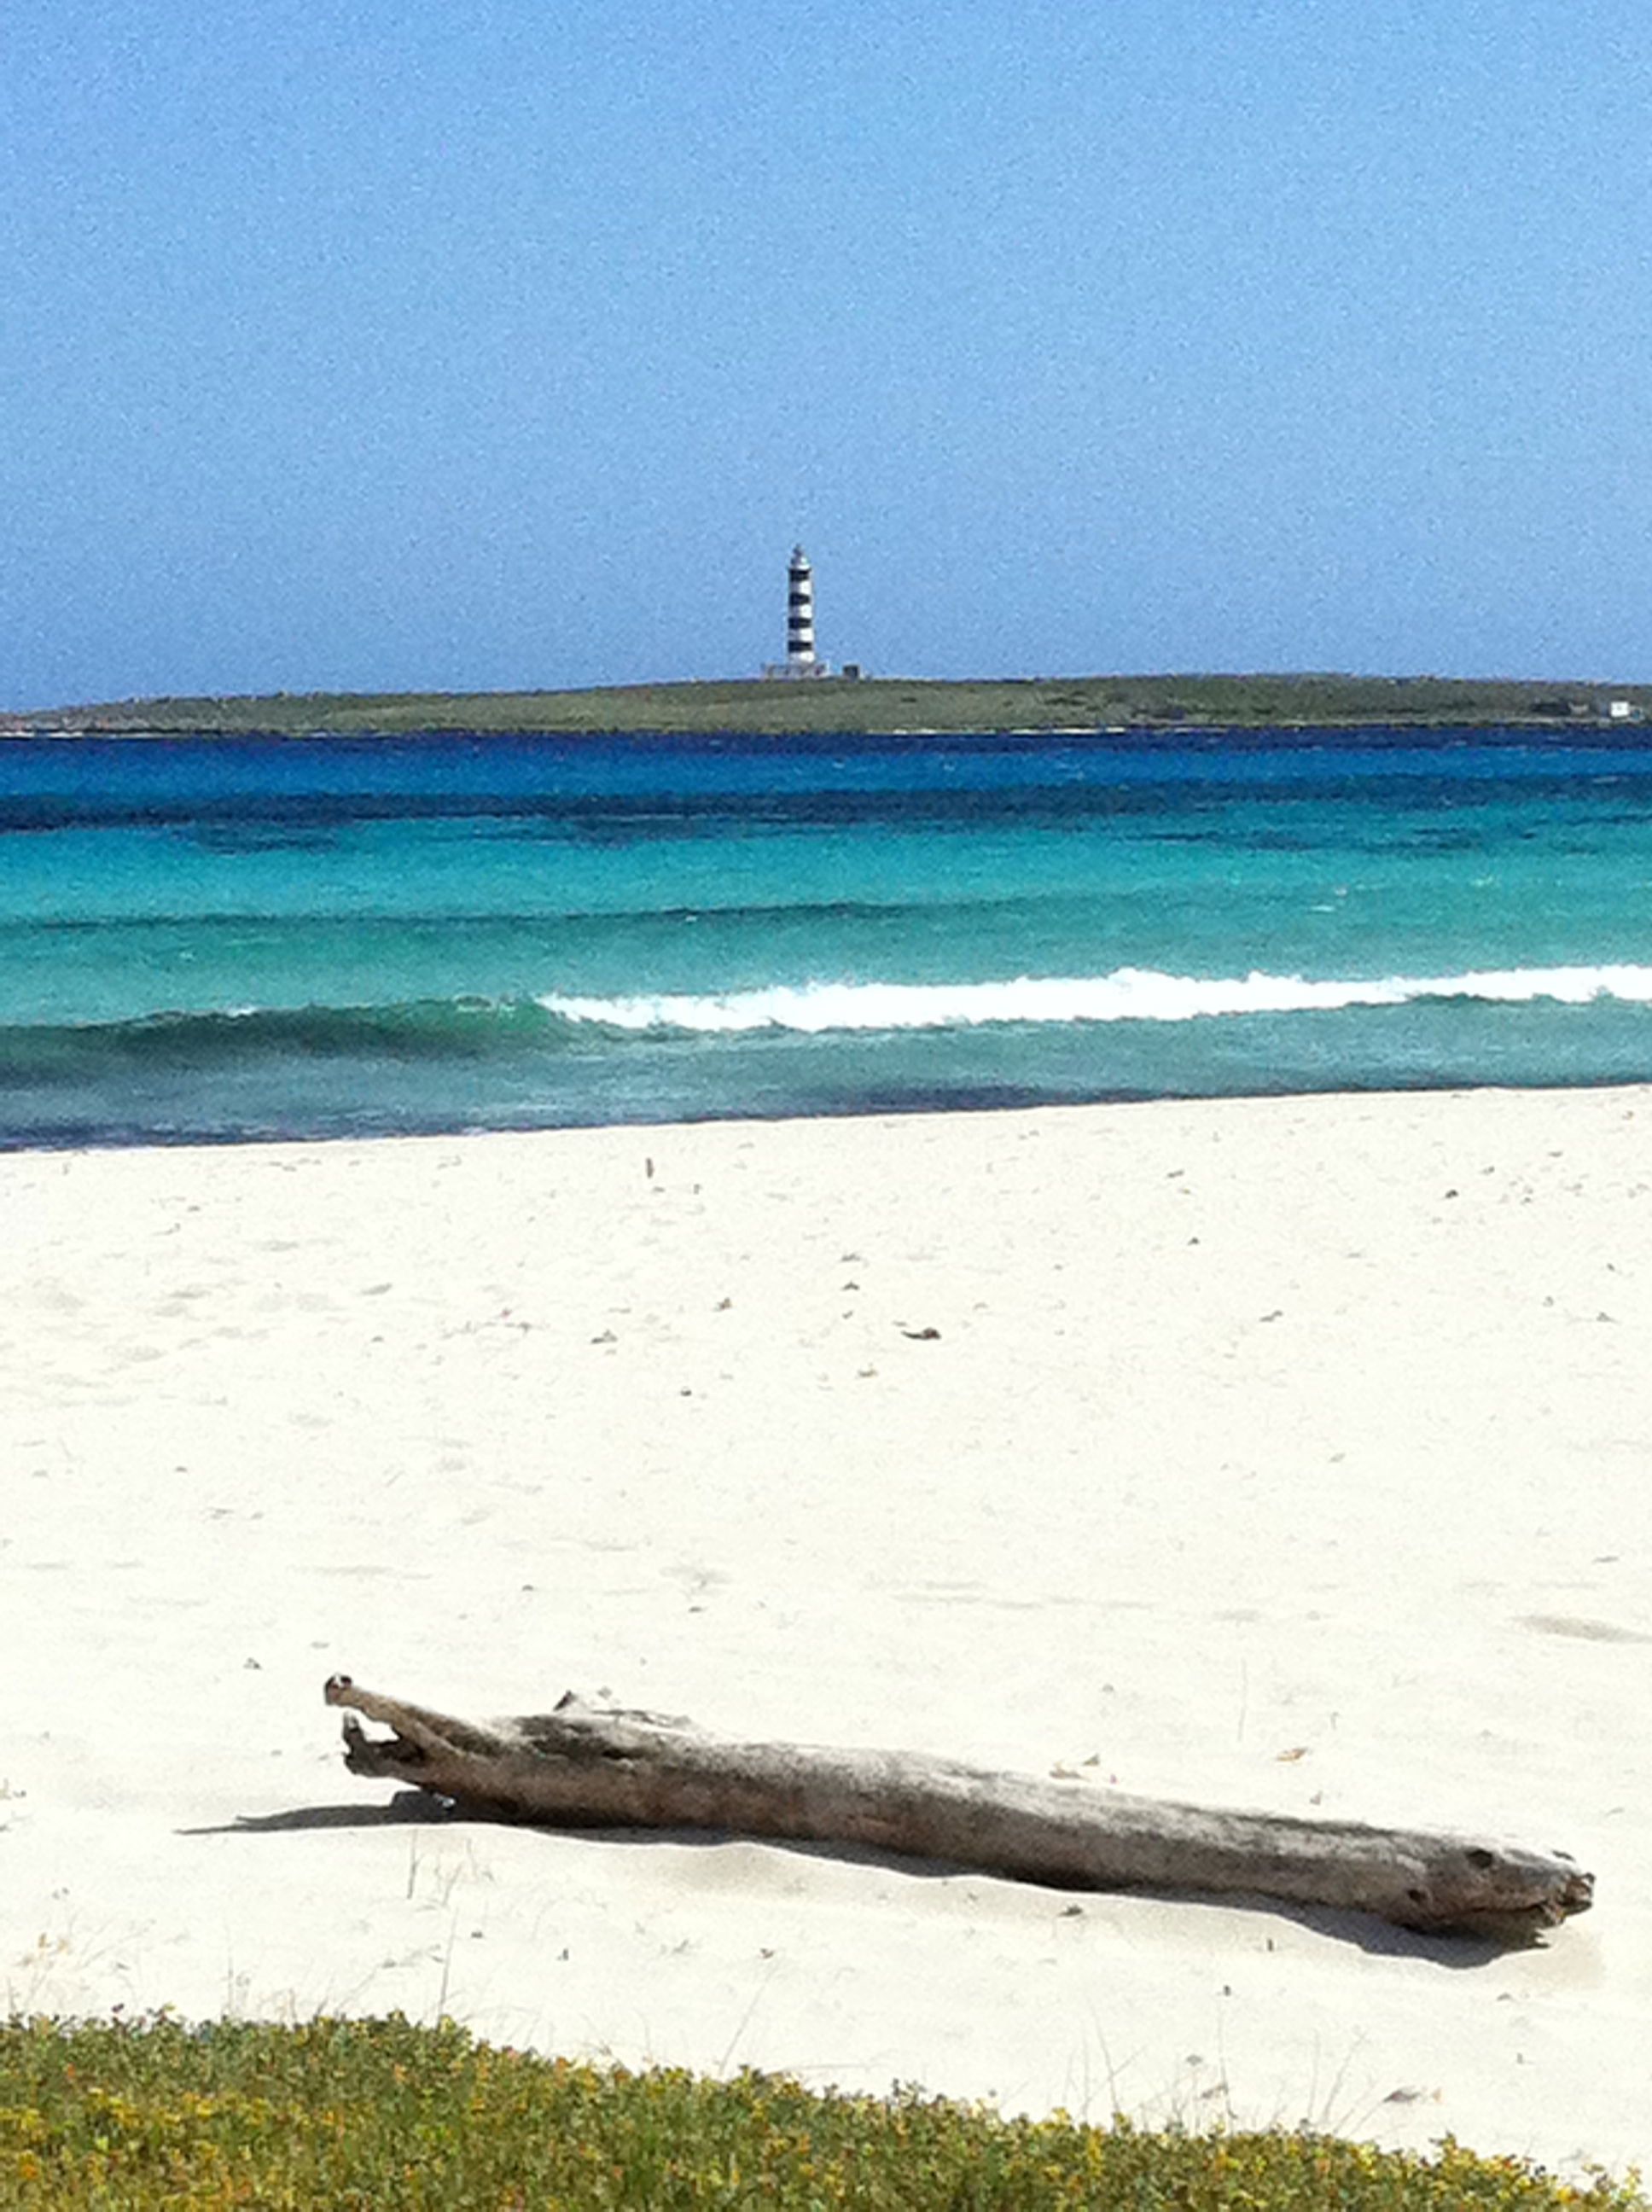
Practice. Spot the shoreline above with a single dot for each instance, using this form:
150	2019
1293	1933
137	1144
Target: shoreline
1597	735
1279	1452
957	1105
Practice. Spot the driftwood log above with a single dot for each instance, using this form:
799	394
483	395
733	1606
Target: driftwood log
583	1766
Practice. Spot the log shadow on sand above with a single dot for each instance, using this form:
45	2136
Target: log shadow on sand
1367	1931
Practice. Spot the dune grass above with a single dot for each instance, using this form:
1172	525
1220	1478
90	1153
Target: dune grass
345	2114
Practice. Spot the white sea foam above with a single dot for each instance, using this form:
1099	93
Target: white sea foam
1127	994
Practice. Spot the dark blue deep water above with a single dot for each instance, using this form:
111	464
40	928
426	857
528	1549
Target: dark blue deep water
212	939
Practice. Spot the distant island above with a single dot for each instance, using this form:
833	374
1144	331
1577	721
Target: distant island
886	706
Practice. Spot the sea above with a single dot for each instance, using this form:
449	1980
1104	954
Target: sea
223	941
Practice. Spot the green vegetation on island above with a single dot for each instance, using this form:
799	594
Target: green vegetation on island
876	706
379	2115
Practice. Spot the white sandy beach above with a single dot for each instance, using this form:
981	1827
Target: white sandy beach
1290	1454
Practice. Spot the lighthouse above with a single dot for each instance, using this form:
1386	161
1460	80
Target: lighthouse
800	613
801	658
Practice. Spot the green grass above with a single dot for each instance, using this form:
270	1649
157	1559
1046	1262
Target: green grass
381	2114
887	704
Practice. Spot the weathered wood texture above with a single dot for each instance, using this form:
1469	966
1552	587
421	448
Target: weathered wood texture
586	1765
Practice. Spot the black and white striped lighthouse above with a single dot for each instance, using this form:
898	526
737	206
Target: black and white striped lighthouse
801	658
800	613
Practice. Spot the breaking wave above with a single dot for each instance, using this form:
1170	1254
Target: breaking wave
518	1029
1127	994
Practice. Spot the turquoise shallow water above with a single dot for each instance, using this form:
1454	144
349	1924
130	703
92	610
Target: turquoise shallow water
212	940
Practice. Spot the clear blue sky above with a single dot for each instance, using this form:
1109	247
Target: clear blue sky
406	343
